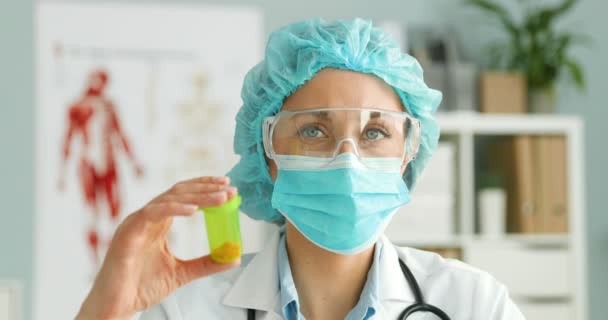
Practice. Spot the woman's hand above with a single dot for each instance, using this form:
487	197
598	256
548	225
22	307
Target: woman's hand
139	269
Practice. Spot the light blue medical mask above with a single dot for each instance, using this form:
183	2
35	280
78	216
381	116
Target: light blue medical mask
343	207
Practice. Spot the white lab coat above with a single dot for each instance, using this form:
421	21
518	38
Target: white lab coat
463	292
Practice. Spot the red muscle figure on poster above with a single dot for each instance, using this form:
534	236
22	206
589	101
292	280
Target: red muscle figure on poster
94	118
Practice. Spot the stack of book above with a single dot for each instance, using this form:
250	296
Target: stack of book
430	214
535	172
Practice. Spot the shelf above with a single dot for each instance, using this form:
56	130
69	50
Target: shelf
561	240
458	241
443	242
506	124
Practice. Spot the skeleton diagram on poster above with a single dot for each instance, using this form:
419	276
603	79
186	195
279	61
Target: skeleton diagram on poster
126	108
195	141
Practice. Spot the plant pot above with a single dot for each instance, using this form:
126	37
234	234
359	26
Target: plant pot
542	101
503	92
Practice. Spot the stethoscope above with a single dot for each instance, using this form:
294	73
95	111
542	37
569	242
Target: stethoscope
418	306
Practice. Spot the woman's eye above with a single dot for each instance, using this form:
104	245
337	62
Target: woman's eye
312	132
374	134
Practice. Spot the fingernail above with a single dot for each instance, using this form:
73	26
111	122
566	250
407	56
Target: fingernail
220	179
190	207
217	194
230	192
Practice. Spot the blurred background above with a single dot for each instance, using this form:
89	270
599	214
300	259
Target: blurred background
515	187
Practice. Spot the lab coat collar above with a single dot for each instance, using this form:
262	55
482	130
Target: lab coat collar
393	285
258	285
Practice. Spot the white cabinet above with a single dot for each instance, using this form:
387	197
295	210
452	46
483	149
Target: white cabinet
546	310
9	300
529	271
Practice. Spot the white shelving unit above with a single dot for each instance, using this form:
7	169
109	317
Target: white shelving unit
560	299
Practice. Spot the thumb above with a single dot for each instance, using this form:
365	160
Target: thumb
201	267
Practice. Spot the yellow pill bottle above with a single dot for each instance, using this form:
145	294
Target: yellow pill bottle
224	231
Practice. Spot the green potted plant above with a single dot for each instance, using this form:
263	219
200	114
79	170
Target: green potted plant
536	49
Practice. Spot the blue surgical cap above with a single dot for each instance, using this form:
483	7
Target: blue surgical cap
293	55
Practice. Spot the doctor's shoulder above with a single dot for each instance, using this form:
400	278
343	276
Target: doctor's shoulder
457	284
199	298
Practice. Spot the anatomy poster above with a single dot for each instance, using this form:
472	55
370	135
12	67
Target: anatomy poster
130	100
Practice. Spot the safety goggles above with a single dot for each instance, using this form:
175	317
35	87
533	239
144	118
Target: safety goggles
328	132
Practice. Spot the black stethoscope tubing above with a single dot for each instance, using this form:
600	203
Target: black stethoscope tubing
418	306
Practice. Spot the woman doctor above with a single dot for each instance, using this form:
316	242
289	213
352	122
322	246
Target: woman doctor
336	125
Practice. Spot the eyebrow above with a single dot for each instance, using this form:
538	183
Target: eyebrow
324	115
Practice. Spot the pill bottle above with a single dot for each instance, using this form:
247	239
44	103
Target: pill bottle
224	231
